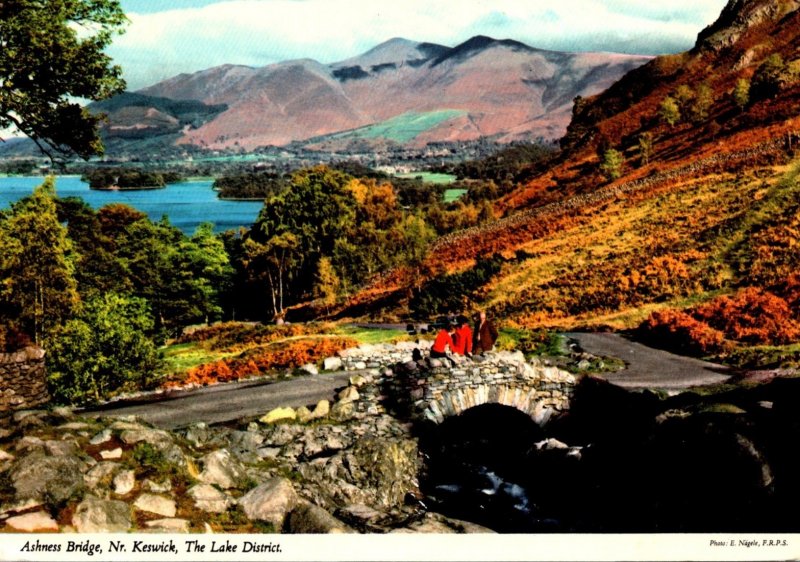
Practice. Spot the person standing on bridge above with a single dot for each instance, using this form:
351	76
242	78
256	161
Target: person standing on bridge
485	334
444	340
463	337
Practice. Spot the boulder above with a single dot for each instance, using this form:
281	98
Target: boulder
303	414
270	502
113	454
155	504
208	498
342	411
102	437
310	368
279	414
349	394
332	364
245	440
222	469
102	516
168	526
157	487
37	521
100	475
39	476
124	482
321	410
310	518
387	468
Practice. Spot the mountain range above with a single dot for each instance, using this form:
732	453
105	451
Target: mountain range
402	91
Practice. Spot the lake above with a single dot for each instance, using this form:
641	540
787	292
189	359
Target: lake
187	204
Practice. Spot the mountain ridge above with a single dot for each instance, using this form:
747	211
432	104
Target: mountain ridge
507	90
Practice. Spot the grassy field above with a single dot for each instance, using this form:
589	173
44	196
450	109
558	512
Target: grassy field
403	128
430	177
453	194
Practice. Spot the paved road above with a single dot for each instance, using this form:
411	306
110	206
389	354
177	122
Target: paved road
228	401
646	368
650	368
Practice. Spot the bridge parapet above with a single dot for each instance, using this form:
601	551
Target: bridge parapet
434	390
388	379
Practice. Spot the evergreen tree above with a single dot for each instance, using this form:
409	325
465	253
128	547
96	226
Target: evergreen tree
36	264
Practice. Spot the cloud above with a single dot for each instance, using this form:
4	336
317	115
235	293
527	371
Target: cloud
160	44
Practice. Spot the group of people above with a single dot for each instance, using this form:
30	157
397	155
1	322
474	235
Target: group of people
460	339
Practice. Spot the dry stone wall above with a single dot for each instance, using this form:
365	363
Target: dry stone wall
23	380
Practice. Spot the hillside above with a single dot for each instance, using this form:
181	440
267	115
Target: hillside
708	211
483	87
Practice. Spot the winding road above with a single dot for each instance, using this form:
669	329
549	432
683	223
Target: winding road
227	401
645	368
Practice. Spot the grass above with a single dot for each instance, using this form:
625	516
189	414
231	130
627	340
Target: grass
432	177
451	195
181	357
403	128
370	335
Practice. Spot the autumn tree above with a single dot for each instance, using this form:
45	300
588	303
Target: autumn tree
741	93
669	112
701	105
326	283
37	286
645	147
612	164
52	54
768	77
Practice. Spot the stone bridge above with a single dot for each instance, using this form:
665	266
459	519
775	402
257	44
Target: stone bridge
435	389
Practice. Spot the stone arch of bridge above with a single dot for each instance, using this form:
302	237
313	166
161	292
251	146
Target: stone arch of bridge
455	401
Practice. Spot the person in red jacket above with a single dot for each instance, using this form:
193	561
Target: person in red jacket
463	337
444	340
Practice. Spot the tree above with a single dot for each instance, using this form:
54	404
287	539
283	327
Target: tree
326	286
299	226
768	78
612	164
646	147
702	103
683	96
669	112
36	269
51	52
741	93
103	351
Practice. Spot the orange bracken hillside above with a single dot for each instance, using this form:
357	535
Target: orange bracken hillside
698	192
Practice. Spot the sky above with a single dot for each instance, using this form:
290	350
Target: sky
169	37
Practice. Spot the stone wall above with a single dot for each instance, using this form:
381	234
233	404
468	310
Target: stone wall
23	380
435	389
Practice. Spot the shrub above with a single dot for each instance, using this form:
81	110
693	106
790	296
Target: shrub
261	361
752	315
679	331
102	352
453	292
